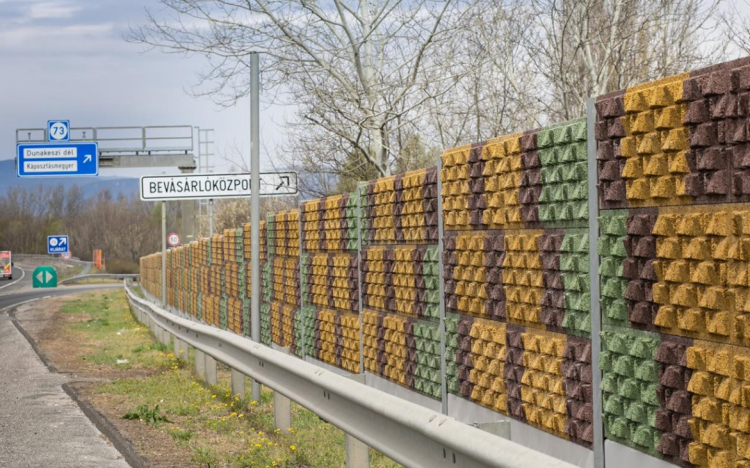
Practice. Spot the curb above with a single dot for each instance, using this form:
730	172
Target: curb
110	431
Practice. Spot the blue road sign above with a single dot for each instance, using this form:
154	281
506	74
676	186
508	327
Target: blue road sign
57	244
58	130
57	159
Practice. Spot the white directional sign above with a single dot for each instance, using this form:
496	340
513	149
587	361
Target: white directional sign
198	186
57	245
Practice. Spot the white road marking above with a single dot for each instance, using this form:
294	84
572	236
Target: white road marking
20	303
23	273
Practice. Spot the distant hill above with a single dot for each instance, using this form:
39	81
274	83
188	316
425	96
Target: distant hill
127	186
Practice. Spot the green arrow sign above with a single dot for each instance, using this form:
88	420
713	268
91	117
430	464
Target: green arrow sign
45	277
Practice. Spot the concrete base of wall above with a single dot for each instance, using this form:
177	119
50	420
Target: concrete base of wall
622	456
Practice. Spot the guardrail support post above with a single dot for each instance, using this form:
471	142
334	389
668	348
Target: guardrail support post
282	406
238	383
357	452
200	364
498	428
210	368
180	348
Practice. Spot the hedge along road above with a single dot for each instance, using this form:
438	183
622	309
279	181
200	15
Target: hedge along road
40	425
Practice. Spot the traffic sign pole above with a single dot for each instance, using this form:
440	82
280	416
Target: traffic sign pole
164	253
255	208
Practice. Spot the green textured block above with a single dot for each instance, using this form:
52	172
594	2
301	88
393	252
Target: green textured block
431	254
584	323
649	394
630	388
544	138
614	223
616	309
562	135
624	365
453	386
610	383
647	370
578	191
616	342
646	437
622	428
578	130
451	324
644	347
606	361
613	287
611	267
553	176
613	405
565	154
580	149
433	361
573	282
636	411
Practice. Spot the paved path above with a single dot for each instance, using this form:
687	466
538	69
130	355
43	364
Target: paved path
40	425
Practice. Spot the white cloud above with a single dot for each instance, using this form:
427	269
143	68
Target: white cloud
45	10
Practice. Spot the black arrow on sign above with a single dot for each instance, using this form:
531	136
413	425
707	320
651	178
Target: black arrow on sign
282	184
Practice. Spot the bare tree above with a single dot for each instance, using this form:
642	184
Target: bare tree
352	68
587	48
736	20
496	89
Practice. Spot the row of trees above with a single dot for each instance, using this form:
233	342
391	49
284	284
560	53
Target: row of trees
381	86
124	228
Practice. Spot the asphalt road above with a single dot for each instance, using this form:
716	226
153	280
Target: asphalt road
40	425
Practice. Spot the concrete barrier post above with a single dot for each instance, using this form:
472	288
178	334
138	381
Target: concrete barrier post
210	368
282	407
200	364
238	384
357	452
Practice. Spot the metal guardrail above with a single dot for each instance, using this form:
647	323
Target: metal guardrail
164	139
111	276
406	432
48	258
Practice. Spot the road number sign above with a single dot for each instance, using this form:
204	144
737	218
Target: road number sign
58	130
173	240
57	245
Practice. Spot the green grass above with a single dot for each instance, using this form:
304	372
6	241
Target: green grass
109	334
218	428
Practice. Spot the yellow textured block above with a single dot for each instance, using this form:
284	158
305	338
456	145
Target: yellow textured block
678	163
635	102
665	226
642	123
655	165
637	189
666	317
633	168
678	272
720	361
717	435
719	323
663	187
697	453
667	118
692	224
697	357
697	248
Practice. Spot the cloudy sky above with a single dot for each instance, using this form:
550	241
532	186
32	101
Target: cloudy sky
66	59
